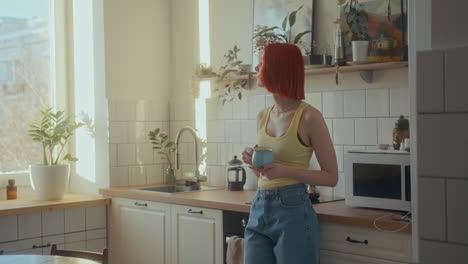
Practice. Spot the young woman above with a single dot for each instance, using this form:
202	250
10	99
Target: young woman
283	226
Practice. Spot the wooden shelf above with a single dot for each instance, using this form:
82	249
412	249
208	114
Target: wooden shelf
359	68
366	71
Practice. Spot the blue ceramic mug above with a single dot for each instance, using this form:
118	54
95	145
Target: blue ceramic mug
262	156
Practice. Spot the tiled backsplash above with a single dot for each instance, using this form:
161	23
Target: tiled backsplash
132	159
358	116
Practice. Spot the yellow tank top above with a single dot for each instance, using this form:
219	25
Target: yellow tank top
287	149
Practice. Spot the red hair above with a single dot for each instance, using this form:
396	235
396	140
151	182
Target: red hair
282	72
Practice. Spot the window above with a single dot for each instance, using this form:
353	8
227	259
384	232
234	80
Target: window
25	78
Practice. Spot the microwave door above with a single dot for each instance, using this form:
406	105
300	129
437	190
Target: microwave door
383	181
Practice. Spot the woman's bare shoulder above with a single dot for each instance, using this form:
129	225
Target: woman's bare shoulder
311	115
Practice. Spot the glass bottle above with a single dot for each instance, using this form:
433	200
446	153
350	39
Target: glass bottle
11	190
400	132
169	174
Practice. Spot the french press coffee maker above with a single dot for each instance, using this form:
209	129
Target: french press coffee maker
236	175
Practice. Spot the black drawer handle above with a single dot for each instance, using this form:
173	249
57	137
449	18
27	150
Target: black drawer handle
41	246
190	211
141	204
357	241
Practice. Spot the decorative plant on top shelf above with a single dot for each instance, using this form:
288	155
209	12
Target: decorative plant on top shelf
266	35
233	88
356	19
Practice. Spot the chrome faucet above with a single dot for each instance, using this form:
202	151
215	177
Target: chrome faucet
193	132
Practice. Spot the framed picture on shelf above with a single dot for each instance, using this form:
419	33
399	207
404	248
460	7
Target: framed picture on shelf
387	25
270	13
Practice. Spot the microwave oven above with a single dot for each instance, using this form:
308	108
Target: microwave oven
378	179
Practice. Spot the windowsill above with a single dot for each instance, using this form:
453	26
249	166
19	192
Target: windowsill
70	200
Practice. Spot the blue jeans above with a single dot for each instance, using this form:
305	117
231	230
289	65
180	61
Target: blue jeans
282	228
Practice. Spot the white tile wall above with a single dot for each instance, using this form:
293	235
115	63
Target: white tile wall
256	104
75	220
30	225
433	252
377	103
457	211
332	104
385	128
125	154
315	100
144	154
137	175
442	147
53	223
430	81
343	131
456	83
119	176
355	103
432	191
399	102
233	131
154	174
366	131
118	132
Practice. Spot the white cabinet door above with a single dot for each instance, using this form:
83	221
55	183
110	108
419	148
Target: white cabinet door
196	235
333	257
141	233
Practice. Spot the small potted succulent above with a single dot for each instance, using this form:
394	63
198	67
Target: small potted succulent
356	18
53	130
166	148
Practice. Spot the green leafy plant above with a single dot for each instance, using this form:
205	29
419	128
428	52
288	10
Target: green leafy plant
233	88
203	70
54	130
356	19
283	34
165	147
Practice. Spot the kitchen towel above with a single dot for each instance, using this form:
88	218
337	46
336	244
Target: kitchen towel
235	250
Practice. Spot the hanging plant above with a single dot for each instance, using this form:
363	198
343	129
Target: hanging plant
230	89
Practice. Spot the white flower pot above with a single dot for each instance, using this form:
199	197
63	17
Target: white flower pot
49	182
360	50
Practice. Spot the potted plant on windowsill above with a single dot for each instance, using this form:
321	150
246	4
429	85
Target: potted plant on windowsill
53	130
356	19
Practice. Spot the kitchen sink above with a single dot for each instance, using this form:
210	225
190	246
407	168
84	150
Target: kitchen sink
177	189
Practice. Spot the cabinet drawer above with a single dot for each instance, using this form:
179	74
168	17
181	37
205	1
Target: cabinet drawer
333	257
383	245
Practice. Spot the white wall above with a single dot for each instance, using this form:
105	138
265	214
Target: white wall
439	89
138	67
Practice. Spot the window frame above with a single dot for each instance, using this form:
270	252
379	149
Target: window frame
60	49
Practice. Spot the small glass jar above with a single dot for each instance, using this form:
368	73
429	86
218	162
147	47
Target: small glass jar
11	190
169	174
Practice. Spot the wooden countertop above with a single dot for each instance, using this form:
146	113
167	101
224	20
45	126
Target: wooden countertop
222	199
70	200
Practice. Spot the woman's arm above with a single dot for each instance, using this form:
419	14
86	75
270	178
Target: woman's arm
318	136
248	151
